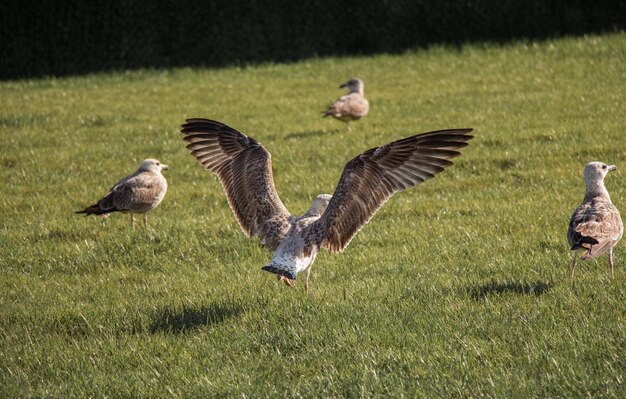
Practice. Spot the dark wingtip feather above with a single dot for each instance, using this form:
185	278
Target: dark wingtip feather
190	121
199	123
94	210
584	240
280	272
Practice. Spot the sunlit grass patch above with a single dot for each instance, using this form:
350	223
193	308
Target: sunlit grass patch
458	287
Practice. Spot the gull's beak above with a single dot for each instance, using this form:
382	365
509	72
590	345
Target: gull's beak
164	167
612	168
343	85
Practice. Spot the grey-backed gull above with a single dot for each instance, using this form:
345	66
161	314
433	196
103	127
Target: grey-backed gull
138	193
351	107
595	226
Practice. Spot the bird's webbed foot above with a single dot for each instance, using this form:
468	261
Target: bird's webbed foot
285	280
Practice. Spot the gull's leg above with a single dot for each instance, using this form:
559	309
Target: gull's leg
132	220
306	273
573	265
349	128
285	280
611	262
145	220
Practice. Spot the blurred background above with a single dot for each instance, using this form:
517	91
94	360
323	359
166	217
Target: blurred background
43	38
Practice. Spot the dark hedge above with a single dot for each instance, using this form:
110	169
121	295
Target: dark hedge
72	37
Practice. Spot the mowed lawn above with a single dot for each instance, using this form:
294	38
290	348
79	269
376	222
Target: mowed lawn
457	288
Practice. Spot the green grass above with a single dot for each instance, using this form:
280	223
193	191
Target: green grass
458	287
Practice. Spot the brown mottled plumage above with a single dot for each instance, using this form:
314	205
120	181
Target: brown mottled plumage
596	226
138	193
244	168
351	107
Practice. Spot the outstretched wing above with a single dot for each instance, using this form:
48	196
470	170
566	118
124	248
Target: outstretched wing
596	226
371	178
244	168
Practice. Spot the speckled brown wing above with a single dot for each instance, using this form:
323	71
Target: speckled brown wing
349	107
596	226
105	204
244	168
371	178
119	197
135	193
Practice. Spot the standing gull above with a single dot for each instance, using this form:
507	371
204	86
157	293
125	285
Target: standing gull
595	226
138	193
351	107
244	168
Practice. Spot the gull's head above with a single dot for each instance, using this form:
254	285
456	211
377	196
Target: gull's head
354	85
595	171
152	165
319	205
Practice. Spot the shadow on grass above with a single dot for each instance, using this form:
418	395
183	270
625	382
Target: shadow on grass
177	321
513	287
306	134
70	325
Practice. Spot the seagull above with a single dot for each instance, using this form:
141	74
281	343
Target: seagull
138	193
351	107
595	226
244	169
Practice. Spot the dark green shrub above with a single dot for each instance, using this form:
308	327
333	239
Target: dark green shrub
71	37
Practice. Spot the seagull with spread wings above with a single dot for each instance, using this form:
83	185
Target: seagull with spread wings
244	168
352	106
595	226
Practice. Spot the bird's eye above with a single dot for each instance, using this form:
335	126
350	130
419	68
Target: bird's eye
158	163
603	166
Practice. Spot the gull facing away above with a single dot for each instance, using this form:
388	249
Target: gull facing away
351	107
595	226
244	168
138	193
